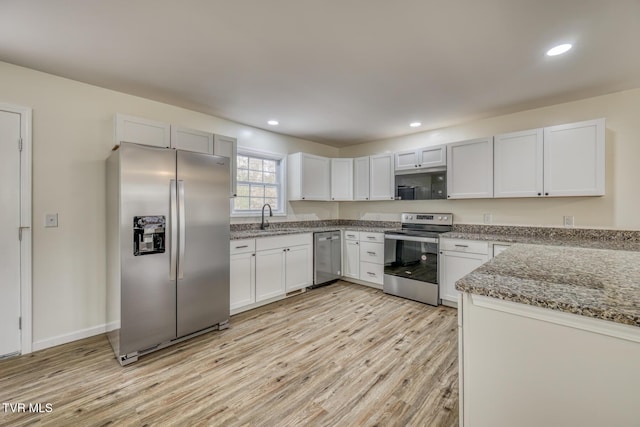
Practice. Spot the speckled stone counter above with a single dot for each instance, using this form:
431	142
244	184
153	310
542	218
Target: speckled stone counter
626	240
603	284
252	230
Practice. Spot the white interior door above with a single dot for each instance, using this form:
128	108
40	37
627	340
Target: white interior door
9	226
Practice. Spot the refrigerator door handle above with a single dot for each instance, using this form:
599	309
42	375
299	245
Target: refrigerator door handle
173	218
181	231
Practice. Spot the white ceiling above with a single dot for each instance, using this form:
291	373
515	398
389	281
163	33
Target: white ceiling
333	71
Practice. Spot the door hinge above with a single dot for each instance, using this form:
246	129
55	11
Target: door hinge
20	322
20	144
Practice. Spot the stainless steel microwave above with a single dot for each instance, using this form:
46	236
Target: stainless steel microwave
424	185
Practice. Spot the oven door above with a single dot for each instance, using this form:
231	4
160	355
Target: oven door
411	257
411	267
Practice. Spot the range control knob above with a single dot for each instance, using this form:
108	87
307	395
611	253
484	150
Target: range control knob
445	218
439	218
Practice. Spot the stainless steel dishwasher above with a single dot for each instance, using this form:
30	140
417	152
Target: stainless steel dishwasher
327	257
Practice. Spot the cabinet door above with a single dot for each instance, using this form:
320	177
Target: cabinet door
381	177
341	179
470	169
574	160
361	178
351	260
191	140
142	131
432	157
406	160
242	286
518	164
315	177
298	270
226	146
270	266
453	266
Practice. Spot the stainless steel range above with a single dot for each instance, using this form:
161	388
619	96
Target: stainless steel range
411	256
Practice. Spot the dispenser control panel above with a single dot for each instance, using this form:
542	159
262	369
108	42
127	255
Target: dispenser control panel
148	235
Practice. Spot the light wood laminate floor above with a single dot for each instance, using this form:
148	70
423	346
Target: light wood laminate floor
341	355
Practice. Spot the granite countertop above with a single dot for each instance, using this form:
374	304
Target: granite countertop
603	284
280	231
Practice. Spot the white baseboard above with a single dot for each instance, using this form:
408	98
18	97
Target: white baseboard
66	338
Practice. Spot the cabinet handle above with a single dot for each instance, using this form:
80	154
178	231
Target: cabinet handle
303	198
357	243
371	274
419	166
546	194
371	237
539	194
415	166
284	250
253	254
243	246
462	246
366	198
371	253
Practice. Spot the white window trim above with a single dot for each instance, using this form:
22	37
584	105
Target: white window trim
241	151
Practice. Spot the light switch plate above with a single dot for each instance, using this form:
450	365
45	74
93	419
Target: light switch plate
488	218
51	220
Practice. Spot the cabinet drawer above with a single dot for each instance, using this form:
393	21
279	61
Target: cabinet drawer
371	272
351	235
372	252
266	243
242	246
371	237
462	245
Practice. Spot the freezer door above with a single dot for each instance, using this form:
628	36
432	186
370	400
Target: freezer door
147	294
203	252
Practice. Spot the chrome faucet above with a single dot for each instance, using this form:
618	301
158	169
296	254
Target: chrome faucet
264	224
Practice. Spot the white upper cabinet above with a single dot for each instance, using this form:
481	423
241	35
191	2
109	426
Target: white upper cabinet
142	131
361	178
518	164
341	179
422	158
381	177
574	159
226	146
191	140
470	169
308	177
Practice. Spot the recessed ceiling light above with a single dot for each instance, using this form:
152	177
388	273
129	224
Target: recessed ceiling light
415	124
273	122
559	50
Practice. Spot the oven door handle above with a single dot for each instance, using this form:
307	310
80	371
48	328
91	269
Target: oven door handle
411	238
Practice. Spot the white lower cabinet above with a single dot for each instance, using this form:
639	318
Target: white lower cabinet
363	256
242	288
457	259
265	269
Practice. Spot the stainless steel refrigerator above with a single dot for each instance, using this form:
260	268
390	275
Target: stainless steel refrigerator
167	247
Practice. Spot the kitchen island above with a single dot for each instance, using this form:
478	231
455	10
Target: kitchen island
550	335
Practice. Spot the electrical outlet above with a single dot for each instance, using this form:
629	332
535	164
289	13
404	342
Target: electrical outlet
51	220
488	218
568	221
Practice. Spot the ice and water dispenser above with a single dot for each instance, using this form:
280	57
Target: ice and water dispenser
148	235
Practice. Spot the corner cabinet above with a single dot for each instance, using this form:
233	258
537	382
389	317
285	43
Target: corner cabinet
308	177
341	179
470	169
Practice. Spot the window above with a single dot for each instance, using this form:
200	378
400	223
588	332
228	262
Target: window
259	181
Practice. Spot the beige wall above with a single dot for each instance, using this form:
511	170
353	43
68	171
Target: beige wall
618	209
72	137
